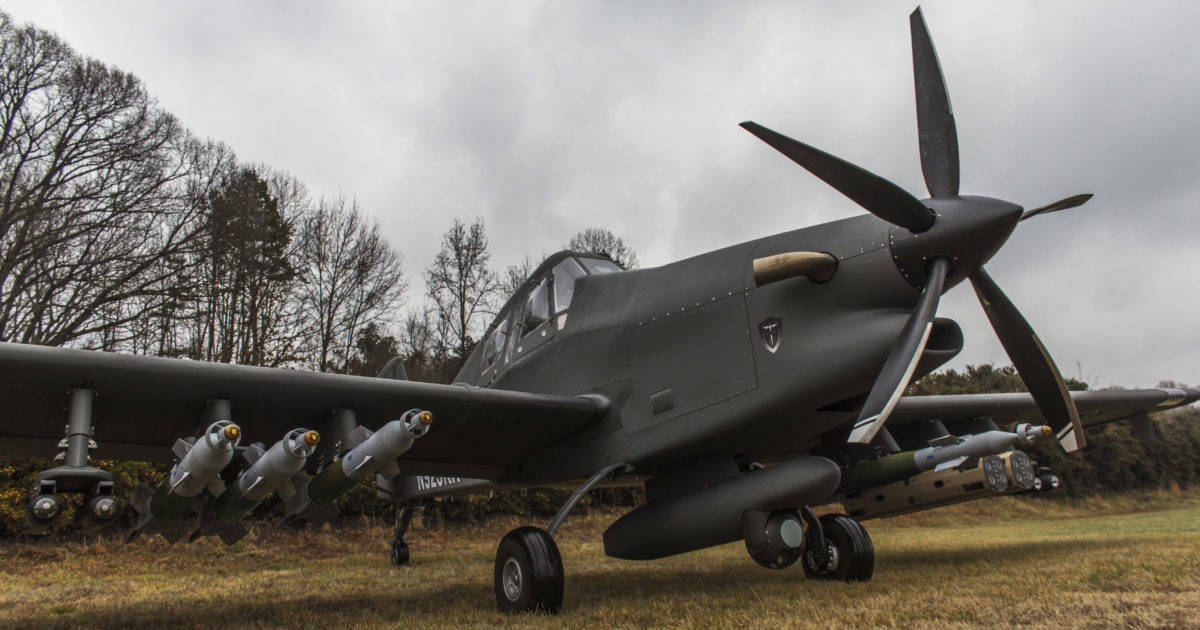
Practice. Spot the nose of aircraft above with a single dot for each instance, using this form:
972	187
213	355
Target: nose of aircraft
967	232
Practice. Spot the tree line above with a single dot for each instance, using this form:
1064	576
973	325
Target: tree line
121	230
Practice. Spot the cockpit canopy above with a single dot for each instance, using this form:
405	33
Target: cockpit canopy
542	303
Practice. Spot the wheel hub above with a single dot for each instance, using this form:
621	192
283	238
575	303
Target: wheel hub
45	508
830	565
512	579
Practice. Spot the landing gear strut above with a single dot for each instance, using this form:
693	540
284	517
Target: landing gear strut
528	575
74	475
848	554
399	555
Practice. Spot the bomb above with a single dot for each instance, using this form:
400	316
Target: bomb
200	462
314	497
267	472
944	452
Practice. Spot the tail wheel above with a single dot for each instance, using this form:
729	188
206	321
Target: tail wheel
399	556
529	572
852	556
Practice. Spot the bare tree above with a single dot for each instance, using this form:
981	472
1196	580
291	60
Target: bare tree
461	285
596	240
420	348
119	230
420	334
93	196
350	278
516	275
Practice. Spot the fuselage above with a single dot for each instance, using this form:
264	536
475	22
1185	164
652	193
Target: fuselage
694	359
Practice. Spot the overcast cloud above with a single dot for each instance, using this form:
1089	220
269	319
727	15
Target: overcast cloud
547	117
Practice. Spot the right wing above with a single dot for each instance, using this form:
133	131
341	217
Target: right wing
1095	407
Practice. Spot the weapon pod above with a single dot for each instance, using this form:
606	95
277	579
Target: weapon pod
713	515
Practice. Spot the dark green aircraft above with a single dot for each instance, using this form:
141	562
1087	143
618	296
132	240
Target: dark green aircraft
742	387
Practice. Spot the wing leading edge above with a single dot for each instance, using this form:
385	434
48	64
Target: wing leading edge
143	404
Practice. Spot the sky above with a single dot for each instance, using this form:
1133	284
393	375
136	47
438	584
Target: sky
546	117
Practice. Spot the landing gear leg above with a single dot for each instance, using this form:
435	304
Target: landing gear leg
849	554
399	555
528	575
74	475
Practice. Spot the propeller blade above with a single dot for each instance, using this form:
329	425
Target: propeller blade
902	360
1032	361
1061	204
935	120
874	193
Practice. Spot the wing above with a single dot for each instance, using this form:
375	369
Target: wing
143	404
1095	407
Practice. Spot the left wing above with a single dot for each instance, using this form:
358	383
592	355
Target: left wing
1095	407
143	404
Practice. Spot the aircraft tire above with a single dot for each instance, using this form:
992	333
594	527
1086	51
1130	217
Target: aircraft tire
528	575
854	555
399	555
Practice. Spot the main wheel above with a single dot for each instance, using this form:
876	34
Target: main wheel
399	556
851	554
529	572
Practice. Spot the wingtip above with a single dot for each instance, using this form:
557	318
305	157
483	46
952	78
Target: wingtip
916	14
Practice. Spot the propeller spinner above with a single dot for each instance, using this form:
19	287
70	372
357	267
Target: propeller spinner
957	233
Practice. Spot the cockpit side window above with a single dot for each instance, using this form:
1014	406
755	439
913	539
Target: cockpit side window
565	275
495	344
537	308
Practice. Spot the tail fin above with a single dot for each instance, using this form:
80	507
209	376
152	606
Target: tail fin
394	370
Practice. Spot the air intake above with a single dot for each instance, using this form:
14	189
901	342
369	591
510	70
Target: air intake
661	402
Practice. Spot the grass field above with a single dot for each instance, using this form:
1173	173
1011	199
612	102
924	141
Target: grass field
1128	561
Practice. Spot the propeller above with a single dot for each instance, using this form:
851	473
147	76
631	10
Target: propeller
902	360
974	228
1061	204
874	193
937	135
1033	362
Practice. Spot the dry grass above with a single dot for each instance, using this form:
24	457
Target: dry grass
1128	561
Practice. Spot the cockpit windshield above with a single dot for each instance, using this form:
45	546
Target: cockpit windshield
599	265
537	308
565	275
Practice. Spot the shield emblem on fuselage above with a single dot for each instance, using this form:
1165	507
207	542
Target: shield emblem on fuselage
771	330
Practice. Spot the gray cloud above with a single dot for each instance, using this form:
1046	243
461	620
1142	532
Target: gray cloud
545	117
